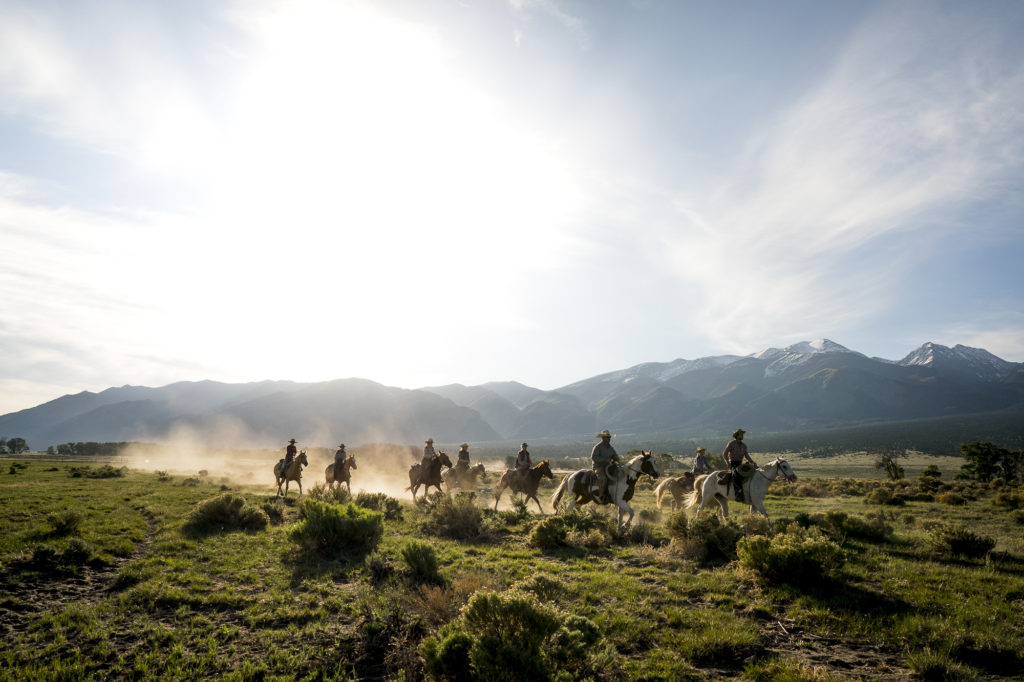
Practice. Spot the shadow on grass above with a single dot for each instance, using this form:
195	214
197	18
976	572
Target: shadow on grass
847	598
307	564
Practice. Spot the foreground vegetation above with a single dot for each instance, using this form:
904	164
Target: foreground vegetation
116	573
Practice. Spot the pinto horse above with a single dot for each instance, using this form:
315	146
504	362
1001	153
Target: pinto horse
342	475
429	478
581	488
677	487
526	483
464	480
707	489
293	472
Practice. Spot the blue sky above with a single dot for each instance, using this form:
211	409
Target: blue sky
428	192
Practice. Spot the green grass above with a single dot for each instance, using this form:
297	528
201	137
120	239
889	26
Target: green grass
130	593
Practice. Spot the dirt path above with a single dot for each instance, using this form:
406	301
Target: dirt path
27	597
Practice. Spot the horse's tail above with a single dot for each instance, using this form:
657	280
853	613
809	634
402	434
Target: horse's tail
696	497
556	498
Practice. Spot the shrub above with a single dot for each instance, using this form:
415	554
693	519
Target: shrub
105	471
422	561
795	558
952	498
274	510
1017	516
389	506
324	493
379	567
224	513
1006	498
959	541
455	517
549	533
66	522
511	637
331	529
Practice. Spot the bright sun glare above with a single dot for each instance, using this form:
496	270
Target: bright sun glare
356	146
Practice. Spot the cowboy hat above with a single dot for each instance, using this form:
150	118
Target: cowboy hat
737	433
701	449
524	445
430	440
464	445
605	434
341	447
292	440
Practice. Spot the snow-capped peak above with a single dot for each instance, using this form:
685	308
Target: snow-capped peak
976	362
796	354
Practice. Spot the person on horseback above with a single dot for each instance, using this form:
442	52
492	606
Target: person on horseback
735	454
289	454
428	453
523	464
700	462
601	456
339	458
462	465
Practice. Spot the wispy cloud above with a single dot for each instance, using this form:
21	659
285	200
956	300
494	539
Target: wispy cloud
919	117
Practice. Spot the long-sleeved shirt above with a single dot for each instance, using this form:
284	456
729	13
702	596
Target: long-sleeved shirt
602	453
735	452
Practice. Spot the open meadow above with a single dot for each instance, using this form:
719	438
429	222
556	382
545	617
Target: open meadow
119	572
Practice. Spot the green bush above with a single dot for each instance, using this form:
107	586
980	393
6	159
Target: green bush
511	637
549	533
331	529
958	541
800	557
389	506
455	517
337	495
952	498
225	513
422	561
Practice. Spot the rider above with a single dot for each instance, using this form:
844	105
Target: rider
523	462
601	456
735	454
462	466
339	459
289	454
428	454
700	462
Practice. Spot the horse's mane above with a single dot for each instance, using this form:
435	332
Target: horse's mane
540	464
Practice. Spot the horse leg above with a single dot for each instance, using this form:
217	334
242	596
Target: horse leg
723	504
534	498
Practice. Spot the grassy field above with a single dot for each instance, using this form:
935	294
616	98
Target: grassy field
127	574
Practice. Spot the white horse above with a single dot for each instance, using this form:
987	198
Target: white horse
581	486
292	473
707	488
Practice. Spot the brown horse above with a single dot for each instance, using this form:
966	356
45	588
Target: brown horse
342	476
677	486
526	484
429	478
464	480
293	472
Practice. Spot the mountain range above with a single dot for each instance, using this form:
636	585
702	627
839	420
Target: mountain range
808	385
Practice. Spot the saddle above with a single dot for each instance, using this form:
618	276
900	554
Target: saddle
591	482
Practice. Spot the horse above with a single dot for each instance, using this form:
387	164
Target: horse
292	473
465	480
526	484
580	484
343	476
677	486
429	478
707	488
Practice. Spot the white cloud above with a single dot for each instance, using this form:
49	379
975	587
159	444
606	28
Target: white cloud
916	119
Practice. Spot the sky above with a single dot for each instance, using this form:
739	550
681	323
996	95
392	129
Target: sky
426	192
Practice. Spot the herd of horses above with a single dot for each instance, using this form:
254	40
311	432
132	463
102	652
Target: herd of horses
576	488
